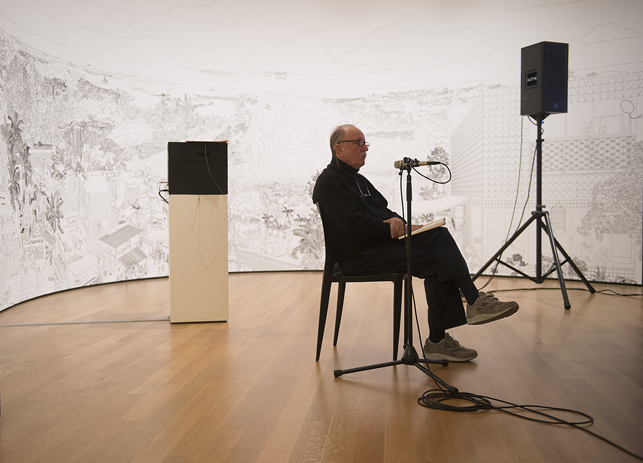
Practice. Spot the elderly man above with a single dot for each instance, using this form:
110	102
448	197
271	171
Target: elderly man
364	232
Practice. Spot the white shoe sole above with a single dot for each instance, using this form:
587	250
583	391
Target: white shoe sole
448	357
483	318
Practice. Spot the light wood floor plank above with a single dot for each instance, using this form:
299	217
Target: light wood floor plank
249	390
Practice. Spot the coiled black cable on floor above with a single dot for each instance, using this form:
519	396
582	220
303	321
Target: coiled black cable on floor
437	399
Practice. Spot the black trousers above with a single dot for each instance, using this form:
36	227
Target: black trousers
436	258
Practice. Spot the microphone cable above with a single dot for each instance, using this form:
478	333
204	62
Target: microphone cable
432	180
205	148
163	190
438	399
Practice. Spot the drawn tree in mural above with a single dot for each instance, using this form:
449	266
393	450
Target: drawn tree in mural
311	243
288	212
14	185
311	234
617	202
28	173
29	194
54	213
310	185
12	134
23	196
432	191
57	170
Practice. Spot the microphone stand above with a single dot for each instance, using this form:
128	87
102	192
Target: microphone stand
410	356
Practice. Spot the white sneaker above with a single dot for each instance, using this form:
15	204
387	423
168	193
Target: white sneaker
488	308
448	349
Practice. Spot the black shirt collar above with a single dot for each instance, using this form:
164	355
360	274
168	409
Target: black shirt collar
345	168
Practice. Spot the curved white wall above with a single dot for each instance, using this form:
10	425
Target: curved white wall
91	94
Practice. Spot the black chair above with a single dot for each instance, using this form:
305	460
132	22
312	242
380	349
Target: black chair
333	274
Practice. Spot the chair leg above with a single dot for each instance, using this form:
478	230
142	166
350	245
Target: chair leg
397	313
323	312
341	290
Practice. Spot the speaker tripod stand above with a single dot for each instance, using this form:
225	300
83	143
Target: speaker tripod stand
410	356
541	218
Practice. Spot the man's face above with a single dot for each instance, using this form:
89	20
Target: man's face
349	151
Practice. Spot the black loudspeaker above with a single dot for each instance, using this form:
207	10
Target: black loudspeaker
544	70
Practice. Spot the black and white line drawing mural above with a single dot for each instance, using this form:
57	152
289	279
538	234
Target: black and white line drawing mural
592	171
122	23
91	93
607	32
213	13
34	19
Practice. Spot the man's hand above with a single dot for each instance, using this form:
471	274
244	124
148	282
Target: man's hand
397	227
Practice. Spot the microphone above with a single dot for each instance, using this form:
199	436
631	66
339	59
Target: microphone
414	163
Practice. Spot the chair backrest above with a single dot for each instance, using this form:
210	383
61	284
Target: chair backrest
330	262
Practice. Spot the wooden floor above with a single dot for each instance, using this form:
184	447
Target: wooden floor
250	390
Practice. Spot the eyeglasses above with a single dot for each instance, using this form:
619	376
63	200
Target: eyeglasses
361	193
359	142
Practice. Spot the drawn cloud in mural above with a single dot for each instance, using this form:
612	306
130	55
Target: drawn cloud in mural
121	23
305	54
606	33
33	19
522	4
214	13
421	47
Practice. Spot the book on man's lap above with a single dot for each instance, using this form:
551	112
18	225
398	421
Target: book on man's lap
428	226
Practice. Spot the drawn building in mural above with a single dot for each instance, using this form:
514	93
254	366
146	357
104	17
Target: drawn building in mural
591	177
95	209
122	250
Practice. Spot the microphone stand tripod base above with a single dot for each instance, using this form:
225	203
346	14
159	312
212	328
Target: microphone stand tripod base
410	357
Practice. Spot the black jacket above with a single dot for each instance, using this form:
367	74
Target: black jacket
353	211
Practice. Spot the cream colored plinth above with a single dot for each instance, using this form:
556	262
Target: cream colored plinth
198	258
